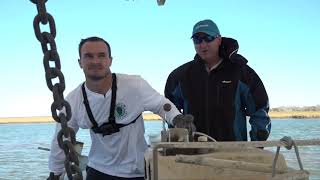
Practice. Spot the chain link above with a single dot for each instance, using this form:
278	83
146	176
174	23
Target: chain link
50	52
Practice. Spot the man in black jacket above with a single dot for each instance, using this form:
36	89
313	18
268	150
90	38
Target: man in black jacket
219	89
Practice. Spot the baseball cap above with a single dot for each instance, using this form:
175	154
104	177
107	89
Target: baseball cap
206	26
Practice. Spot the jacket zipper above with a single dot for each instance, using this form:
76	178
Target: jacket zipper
207	102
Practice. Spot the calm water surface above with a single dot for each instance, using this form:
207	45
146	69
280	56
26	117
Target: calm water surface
21	159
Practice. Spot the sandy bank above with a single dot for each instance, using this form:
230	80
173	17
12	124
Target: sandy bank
295	114
48	119
149	116
38	119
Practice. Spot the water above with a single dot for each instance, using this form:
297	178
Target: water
20	157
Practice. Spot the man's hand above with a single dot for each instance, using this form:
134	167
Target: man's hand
53	177
184	121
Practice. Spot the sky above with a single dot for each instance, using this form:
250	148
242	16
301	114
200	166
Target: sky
280	39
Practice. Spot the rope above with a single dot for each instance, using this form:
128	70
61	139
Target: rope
274	163
202	134
289	142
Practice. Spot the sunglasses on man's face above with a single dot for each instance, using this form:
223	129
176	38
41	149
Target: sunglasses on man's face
206	38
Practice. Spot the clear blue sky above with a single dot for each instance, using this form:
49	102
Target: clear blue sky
279	38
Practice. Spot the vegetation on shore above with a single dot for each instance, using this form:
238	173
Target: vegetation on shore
295	112
279	113
37	119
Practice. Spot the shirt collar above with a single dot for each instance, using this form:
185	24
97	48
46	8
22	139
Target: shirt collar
215	66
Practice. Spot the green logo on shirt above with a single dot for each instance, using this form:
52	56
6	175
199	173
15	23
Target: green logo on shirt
120	111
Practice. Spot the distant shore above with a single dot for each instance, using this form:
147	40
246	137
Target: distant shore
150	117
49	119
295	114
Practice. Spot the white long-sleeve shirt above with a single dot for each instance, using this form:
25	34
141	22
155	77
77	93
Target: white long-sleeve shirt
122	153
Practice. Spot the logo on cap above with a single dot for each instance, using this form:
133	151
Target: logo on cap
202	25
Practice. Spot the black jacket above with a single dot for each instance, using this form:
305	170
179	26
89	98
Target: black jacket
221	99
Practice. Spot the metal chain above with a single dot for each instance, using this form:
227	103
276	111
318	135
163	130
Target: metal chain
50	52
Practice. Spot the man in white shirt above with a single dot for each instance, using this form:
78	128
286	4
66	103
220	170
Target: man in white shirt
118	143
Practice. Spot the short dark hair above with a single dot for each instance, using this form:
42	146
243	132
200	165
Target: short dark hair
91	39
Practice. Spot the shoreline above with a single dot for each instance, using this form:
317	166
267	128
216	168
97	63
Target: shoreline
34	119
294	114
153	117
49	119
